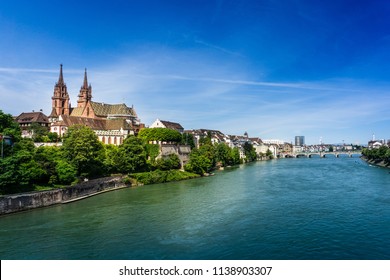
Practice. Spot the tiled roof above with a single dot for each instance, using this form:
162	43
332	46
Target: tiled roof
96	124
171	125
103	110
31	117
256	139
77	112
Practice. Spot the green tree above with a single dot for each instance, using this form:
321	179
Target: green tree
53	137
170	162
223	154
111	155
131	156
9	127
47	158
152	151
188	139
269	154
250	152
235	155
381	154
38	131
20	171
160	134
83	149
205	140
199	163
66	172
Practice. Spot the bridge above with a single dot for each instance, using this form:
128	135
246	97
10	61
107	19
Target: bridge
326	154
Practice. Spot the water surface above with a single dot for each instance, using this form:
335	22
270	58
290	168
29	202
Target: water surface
332	208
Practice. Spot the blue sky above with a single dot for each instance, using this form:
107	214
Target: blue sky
275	69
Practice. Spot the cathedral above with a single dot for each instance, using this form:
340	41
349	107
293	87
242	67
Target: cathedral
112	123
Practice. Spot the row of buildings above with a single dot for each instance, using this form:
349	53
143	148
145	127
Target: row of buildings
112	123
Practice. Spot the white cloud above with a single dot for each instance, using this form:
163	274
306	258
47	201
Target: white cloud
203	93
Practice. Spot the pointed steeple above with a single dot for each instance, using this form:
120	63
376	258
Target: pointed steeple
60	98
61	77
85	85
85	94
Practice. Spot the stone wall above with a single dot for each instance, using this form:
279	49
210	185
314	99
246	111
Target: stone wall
182	151
26	201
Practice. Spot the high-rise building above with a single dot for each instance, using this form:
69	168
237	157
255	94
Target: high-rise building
299	140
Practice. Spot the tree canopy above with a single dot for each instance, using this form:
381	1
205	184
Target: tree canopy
160	134
131	156
9	127
82	148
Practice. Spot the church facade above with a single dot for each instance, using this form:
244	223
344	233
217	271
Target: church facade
112	123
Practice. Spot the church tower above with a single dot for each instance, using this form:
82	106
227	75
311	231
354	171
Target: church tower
85	94
60	98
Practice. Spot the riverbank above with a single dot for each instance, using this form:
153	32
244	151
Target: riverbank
376	162
26	201
158	176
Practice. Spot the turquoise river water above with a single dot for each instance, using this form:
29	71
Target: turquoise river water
305	208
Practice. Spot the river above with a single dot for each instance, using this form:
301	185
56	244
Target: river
304	208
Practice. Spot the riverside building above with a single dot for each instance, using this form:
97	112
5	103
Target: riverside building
112	123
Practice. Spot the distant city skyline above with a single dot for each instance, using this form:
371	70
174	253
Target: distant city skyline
275	69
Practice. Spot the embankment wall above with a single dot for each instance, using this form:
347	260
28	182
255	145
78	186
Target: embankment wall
380	163
31	200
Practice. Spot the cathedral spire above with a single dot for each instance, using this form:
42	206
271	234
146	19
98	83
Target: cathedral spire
85	94
60	98
85	85
61	77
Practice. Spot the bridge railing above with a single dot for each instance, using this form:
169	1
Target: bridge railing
324	154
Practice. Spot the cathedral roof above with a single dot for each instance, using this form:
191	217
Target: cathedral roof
95	124
77	112
105	110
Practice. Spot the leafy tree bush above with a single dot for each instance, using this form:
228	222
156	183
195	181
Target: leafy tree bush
66	172
188	139
152	151
131	156
159	176
20	171
381	154
235	155
199	162
39	132
9	127
168	163
160	134
223	154
83	149
249	151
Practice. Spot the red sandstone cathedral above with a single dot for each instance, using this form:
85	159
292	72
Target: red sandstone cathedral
112	123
